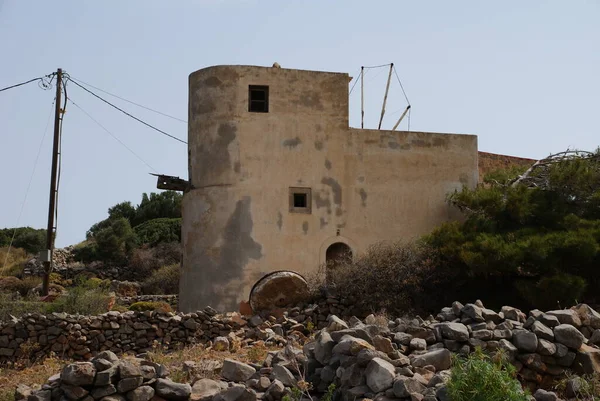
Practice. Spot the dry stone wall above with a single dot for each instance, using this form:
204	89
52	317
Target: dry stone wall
371	359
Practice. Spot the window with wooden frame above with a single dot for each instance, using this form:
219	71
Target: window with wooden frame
258	99
300	200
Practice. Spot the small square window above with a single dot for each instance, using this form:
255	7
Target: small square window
300	200
258	99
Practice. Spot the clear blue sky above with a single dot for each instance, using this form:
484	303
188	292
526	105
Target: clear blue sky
522	75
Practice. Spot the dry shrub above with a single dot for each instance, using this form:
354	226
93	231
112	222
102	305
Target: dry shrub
12	284
389	276
150	306
15	261
163	281
145	260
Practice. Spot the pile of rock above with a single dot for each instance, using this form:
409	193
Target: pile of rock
410	358
110	379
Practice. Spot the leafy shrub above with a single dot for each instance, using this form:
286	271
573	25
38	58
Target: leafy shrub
514	235
163	281
89	297
160	230
552	292
30	239
481	378
114	243
389	276
150	306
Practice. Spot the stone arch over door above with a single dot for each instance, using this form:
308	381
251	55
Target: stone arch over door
338	252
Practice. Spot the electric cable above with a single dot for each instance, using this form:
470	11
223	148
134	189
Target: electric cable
112	135
401	86
128	101
37	157
126	113
40	79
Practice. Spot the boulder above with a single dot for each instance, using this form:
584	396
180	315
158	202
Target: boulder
204	390
542	331
129	369
543	395
79	374
323	347
336	324
383	344
525	340
406	386
283	374
100	392
568	335
455	331
473	312
380	375
129	383
440	359
566	316
588	316
236	371
236	393
221	344
350	346
545	347
142	393
587	360
40	395
173	391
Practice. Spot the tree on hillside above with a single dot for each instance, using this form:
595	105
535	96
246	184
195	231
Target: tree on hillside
535	235
31	239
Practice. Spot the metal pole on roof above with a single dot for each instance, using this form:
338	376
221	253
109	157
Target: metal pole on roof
387	89
362	97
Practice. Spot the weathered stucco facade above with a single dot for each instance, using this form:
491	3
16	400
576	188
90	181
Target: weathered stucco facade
361	186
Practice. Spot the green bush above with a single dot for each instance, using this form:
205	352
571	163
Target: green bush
31	239
156	231
526	237
150	306
89	297
17	308
481	378
163	281
114	244
553	292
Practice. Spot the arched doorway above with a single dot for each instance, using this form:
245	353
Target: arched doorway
337	254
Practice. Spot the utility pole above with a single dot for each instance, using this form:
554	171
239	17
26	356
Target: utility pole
52	201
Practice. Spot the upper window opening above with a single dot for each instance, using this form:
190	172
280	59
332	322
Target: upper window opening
300	200
258	101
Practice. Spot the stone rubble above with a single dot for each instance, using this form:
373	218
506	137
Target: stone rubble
373	360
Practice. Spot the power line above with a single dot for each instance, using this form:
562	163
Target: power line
37	157
126	113
40	79
111	134
128	101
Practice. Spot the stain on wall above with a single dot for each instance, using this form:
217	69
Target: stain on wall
336	189
292	142
363	197
214	158
322	222
319	145
305	227
279	220
327	164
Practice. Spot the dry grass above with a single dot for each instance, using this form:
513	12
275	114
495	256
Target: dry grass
36	374
14	263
